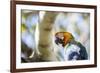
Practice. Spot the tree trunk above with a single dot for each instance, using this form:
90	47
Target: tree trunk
45	46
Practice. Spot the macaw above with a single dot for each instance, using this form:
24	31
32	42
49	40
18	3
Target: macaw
65	38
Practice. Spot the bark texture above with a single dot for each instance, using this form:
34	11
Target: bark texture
46	37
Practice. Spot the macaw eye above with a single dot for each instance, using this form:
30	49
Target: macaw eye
58	41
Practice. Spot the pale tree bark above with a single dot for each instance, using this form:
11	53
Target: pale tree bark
45	46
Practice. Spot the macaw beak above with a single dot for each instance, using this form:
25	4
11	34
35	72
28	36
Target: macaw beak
58	41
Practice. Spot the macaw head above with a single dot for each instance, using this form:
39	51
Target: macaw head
63	38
